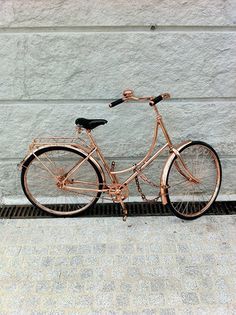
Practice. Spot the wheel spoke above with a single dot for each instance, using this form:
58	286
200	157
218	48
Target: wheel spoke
49	194
194	198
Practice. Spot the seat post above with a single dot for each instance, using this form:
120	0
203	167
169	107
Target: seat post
100	155
91	138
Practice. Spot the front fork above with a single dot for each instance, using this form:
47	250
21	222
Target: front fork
188	175
181	168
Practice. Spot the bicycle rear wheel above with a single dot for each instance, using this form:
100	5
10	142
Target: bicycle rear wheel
43	172
189	199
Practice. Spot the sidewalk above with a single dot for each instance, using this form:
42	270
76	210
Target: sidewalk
148	265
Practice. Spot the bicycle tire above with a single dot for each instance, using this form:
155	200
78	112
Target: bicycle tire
191	200
58	204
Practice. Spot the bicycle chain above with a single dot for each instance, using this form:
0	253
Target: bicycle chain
145	179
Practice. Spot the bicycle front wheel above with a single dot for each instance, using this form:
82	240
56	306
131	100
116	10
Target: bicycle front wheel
43	174
190	197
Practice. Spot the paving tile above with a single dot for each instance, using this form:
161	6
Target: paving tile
154	265
190	298
167	311
104	301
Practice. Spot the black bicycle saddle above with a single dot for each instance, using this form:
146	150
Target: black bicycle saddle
90	123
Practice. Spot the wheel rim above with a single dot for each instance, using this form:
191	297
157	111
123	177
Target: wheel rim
45	173
189	198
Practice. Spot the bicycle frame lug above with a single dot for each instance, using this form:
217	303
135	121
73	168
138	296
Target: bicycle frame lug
79	129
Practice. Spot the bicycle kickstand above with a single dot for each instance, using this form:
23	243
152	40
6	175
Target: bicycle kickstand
124	210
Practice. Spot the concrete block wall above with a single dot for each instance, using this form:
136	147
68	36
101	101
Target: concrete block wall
66	59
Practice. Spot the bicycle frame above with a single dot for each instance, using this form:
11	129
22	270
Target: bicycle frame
76	178
141	165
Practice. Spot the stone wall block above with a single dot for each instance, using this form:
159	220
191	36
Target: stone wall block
129	130
11	67
6	13
32	13
99	66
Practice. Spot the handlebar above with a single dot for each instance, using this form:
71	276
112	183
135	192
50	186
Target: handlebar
117	102
159	98
129	95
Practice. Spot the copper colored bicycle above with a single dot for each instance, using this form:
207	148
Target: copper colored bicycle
65	176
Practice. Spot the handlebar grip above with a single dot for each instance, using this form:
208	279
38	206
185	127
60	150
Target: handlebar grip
117	102
157	99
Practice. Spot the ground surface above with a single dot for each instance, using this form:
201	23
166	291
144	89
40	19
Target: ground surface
148	265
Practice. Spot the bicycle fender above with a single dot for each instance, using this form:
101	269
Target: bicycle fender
94	161
164	174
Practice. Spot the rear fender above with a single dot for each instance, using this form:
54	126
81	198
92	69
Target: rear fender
94	161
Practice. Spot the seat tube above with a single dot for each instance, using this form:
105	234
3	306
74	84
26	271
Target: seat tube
100	155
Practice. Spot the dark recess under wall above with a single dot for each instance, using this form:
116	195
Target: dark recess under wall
112	210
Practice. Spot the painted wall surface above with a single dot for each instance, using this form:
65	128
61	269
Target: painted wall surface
64	59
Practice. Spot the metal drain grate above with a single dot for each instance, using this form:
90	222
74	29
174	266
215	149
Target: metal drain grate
113	210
